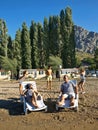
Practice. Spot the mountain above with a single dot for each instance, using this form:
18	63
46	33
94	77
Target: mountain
85	41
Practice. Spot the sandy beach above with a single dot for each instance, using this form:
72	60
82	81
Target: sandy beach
13	118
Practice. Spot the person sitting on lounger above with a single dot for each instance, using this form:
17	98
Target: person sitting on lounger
31	95
21	79
68	89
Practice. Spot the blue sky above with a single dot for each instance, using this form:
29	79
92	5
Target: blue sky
15	12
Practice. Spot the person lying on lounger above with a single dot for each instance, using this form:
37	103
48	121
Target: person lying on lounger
32	95
68	90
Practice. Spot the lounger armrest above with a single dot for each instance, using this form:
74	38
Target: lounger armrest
76	96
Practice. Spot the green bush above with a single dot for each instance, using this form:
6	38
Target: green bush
55	62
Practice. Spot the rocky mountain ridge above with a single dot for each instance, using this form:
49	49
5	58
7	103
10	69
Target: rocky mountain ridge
85	41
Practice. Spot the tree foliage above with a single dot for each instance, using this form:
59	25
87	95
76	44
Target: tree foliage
41	44
17	49
26	48
8	64
34	46
55	62
68	51
3	38
96	58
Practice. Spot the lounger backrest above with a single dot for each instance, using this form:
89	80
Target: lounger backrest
74	82
29	82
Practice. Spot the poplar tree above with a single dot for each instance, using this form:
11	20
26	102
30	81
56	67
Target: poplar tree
10	48
51	35
67	26
73	45
40	45
46	41
58	37
34	46
64	38
96	58
25	47
54	36
18	48
3	38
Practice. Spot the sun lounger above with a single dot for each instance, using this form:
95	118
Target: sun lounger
67	101
29	107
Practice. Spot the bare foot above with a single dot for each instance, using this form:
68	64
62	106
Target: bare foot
36	106
60	103
72	104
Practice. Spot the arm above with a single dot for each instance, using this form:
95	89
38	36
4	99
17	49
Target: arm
20	89
61	89
76	89
25	91
35	90
75	86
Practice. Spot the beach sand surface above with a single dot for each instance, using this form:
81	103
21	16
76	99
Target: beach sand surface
13	118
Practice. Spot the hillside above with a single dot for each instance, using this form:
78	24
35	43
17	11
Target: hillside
85	41
82	55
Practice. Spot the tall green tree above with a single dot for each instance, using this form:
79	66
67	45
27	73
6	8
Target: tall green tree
68	51
26	47
10	48
62	24
58	38
3	38
34	45
46	41
63	38
17	50
73	45
54	35
40	45
70	36
50	35
96	58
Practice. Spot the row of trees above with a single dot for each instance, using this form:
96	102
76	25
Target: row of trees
39	45
34	47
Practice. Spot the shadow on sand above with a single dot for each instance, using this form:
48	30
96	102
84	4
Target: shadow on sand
13	106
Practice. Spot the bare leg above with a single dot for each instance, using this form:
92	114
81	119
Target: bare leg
79	86
47	84
82	87
50	84
62	100
34	99
21	89
72	101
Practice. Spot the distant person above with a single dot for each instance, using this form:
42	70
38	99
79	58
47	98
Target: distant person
82	81
58	74
21	79
49	73
9	75
67	90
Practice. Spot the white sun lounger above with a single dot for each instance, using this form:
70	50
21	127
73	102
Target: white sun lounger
67	101
29	107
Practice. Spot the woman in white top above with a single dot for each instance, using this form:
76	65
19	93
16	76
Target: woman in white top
21	79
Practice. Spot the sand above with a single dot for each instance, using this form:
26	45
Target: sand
13	118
